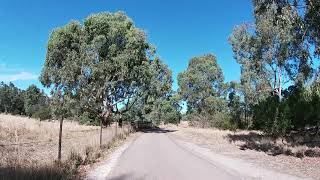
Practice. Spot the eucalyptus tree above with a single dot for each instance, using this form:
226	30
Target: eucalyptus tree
118	63
254	82
202	80
271	52
100	64
276	51
61	69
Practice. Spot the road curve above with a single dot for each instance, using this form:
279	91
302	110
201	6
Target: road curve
155	156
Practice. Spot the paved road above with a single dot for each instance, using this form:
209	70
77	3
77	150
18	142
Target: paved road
156	156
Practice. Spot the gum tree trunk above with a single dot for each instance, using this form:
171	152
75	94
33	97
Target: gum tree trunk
60	140
100	140
105	116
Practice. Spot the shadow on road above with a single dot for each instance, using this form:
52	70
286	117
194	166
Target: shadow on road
156	130
121	177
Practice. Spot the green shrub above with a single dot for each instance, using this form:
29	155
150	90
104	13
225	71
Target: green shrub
42	113
298	109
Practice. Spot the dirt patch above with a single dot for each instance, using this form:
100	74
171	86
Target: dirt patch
219	142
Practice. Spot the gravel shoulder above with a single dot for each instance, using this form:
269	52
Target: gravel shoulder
217	142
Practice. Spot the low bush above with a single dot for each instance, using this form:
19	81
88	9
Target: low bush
218	120
42	114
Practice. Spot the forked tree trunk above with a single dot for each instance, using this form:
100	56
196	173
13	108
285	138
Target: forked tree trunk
60	140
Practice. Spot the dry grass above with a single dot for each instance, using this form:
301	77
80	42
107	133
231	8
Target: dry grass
251	146
30	145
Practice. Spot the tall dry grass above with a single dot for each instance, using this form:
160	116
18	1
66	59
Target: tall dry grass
29	148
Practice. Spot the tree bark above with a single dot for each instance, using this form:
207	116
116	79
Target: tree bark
120	123
280	95
106	115
100	139
116	128
60	140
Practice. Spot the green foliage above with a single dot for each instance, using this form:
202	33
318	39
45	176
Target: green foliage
234	107
276	50
36	103
88	118
200	81
166	110
312	24
201	87
105	67
61	68
31	102
11	99
157	103
43	113
117	65
298	110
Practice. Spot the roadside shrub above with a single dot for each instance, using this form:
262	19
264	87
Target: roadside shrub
75	159
220	120
92	154
224	121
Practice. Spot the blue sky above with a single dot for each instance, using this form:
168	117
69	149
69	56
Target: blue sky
179	29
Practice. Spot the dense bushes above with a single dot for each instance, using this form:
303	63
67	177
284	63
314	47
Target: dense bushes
299	109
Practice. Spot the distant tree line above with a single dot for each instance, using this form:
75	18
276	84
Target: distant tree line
31	102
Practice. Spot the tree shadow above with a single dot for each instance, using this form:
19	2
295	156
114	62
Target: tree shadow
255	141
34	173
272	146
124	176
156	130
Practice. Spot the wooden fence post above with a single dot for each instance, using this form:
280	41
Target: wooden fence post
60	140
17	145
100	134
